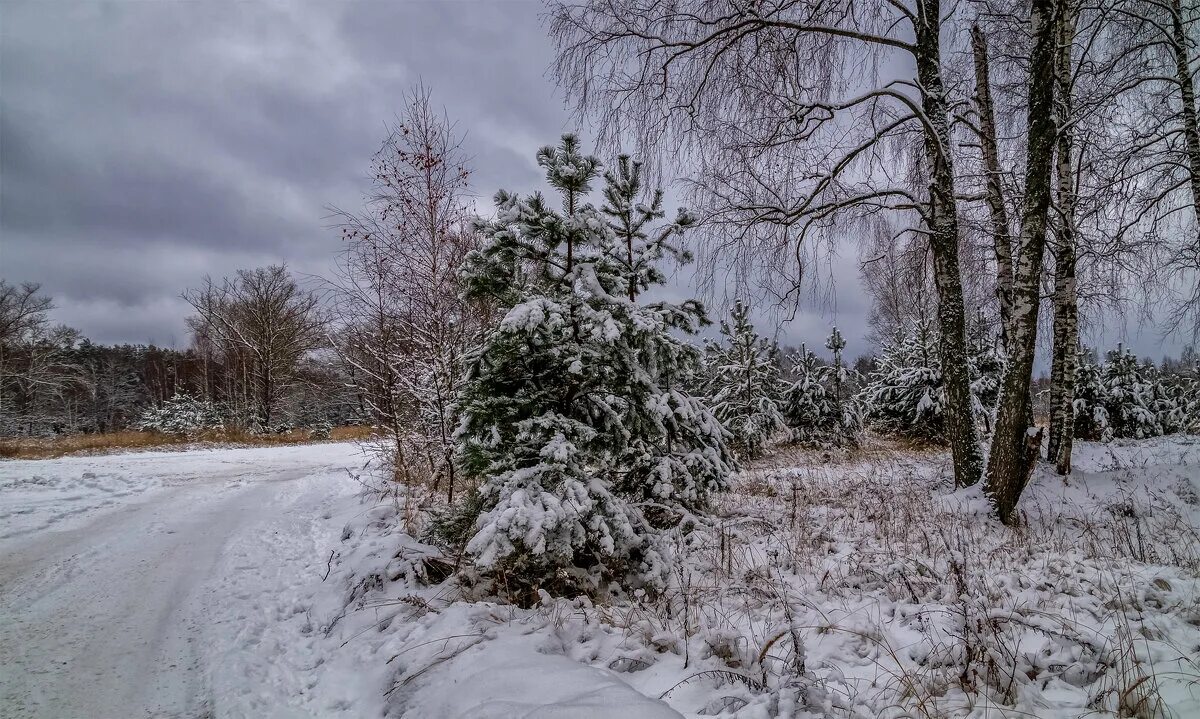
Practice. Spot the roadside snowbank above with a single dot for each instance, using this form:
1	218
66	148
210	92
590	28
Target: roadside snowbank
858	588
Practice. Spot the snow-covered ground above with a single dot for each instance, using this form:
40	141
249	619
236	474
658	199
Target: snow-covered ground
128	581
854	587
266	583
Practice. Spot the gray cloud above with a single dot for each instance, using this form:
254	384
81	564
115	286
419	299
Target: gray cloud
145	145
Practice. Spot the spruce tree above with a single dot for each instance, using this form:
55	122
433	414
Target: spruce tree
574	420
1128	396
904	395
819	408
744	385
1091	416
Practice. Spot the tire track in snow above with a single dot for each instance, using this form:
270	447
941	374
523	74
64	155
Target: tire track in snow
111	619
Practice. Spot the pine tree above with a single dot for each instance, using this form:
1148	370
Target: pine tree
818	405
986	367
1173	398
1091	416
182	414
904	395
809	407
629	220
574	420
843	396
744	386
1167	402
1128	396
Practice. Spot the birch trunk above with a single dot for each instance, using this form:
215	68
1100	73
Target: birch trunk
994	190
1187	90
1066	310
1010	461
944	240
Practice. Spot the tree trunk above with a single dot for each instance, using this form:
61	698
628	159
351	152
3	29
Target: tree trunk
1066	309
266	398
944	240
1187	91
1001	229
1010	462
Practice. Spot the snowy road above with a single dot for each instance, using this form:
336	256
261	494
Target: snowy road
124	578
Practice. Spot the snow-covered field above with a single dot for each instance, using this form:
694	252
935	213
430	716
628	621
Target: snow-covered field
267	583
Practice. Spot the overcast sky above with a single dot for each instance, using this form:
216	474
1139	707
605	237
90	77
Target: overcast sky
144	145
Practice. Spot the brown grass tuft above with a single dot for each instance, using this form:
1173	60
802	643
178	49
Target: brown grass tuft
110	442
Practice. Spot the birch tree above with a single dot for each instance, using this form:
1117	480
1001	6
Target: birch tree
1066	308
788	111
1015	444
1001	228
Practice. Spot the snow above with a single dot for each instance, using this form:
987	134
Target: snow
123	578
267	583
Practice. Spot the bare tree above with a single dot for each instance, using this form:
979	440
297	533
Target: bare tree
1010	461
265	316
1155	144
23	312
403	329
786	109
37	373
1066	308
1001	228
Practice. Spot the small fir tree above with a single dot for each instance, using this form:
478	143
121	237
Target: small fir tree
183	415
904	395
1091	416
745	389
818	405
1128	396
574	420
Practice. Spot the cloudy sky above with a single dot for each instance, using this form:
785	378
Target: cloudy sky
144	145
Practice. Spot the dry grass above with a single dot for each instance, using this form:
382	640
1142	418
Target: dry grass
928	609
66	445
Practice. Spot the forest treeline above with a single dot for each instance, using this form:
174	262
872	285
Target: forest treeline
53	380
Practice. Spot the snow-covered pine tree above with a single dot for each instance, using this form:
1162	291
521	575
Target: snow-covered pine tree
573	417
744	386
1189	402
904	395
182	414
1091	416
1174	400
1166	402
630	221
986	367
843	380
818	404
808	406
1128	396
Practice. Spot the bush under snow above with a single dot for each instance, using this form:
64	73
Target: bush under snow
182	414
